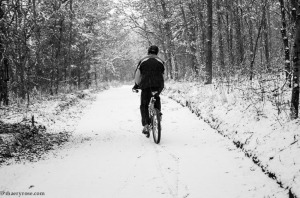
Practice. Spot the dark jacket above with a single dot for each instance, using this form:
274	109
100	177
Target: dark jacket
151	72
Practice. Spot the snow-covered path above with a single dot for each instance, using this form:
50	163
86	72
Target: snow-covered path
110	158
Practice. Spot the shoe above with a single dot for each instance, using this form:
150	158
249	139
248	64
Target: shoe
146	131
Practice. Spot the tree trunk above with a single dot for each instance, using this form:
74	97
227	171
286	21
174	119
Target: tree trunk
255	48
201	34
239	38
4	81
296	61
68	66
209	43
57	56
265	35
193	35
52	71
285	43
251	45
38	61
229	36
3	66
96	76
220	38
293	10
269	31
79	75
21	51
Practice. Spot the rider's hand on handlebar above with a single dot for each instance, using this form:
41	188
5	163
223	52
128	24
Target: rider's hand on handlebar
135	88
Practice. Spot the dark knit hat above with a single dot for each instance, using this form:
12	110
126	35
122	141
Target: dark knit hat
153	49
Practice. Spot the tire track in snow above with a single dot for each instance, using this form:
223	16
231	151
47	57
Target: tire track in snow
159	166
179	183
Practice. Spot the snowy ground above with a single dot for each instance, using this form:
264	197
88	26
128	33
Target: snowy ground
270	139
109	157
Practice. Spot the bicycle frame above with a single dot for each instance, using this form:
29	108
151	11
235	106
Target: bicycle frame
151	106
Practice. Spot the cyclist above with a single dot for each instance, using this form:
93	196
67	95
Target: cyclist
149	77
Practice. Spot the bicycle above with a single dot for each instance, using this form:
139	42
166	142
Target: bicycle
155	117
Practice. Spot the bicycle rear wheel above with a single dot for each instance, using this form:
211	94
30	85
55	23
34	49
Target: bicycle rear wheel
156	126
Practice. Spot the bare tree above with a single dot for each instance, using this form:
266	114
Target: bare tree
285	42
3	63
220	37
209	42
296	68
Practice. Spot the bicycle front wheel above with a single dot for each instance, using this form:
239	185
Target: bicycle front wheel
156	126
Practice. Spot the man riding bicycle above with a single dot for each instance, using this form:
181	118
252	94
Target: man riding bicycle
149	78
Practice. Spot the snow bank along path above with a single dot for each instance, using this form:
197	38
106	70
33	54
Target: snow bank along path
110	158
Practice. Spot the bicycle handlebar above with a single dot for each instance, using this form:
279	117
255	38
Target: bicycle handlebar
153	92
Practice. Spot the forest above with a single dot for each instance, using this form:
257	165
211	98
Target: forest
230	105
58	46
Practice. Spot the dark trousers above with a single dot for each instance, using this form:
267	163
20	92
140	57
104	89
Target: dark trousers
145	100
